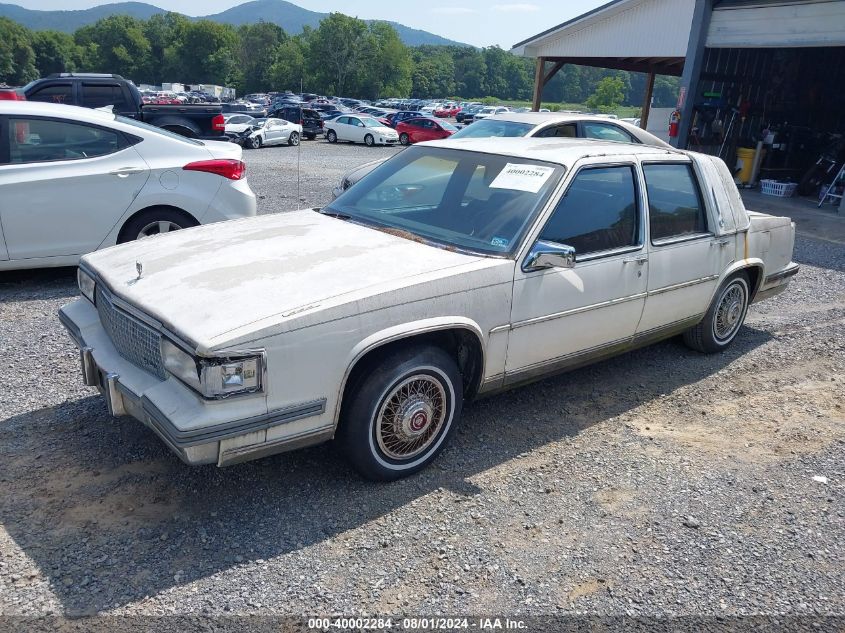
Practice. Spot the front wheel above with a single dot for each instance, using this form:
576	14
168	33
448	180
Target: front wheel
404	138
400	412
369	141
723	319
293	139
255	142
331	137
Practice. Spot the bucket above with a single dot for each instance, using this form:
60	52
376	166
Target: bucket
744	163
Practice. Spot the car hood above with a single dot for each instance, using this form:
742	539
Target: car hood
206	282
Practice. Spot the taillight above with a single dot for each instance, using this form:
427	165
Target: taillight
321	124
11	95
226	167
301	122
218	123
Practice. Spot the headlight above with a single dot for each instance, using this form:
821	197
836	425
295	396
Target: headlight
214	377
86	284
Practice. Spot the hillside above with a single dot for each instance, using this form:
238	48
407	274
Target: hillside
290	17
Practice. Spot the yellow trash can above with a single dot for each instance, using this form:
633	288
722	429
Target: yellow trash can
744	163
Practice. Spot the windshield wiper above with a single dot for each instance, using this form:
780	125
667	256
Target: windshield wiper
334	214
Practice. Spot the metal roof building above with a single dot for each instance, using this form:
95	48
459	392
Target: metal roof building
746	67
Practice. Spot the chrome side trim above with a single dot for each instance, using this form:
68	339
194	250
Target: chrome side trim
566	362
647	337
786	273
684	284
182	439
263	449
668	241
500	328
492	383
594	306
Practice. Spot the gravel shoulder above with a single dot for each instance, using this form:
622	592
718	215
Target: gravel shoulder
661	482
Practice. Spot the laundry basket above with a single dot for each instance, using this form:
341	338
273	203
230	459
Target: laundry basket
779	189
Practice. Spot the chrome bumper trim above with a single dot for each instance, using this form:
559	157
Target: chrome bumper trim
183	439
786	273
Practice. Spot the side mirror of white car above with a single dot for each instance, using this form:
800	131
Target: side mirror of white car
549	255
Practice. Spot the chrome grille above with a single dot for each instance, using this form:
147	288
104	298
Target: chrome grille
133	340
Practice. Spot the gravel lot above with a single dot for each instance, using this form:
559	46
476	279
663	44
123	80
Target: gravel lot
661	482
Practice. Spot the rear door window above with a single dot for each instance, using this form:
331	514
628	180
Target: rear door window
104	95
606	132
675	205
43	140
567	130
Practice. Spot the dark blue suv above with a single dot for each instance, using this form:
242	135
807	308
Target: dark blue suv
403	115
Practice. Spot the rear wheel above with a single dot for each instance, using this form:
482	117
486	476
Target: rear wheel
723	319
400	412
293	139
404	138
369	141
155	221
331	137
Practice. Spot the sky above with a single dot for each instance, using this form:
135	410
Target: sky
477	22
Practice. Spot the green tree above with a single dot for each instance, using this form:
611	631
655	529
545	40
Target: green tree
164	31
387	64
257	44
17	58
608	95
470	71
117	45
289	69
434	72
207	52
336	49
55	52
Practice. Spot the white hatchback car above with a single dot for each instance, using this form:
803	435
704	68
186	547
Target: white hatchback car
74	180
360	129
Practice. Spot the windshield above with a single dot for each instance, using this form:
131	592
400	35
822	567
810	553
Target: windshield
258	122
368	122
486	128
151	128
478	202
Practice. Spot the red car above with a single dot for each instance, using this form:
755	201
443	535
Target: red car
447	111
418	130
11	94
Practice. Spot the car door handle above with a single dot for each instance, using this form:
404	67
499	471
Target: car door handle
722	242
639	259
123	172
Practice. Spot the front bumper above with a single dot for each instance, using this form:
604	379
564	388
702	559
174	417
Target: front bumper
199	431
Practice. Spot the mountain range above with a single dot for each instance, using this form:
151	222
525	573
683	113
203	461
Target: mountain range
290	17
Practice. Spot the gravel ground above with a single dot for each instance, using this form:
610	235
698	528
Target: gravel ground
662	482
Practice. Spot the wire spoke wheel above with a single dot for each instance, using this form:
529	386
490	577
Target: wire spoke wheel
729	312
411	417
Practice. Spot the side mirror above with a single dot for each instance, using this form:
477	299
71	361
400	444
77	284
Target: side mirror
549	255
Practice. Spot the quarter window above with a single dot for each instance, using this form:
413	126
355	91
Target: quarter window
675	206
41	140
597	213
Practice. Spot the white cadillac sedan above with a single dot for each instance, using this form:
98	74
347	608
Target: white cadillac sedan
360	129
455	268
74	180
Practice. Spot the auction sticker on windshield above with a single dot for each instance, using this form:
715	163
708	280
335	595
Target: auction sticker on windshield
522	177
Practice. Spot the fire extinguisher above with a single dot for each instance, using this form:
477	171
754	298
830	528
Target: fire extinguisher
674	122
